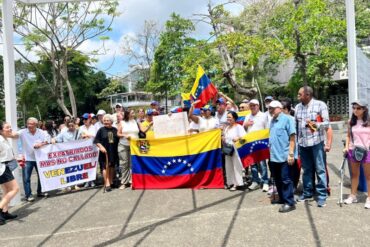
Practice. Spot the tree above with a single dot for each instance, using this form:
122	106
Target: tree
86	83
315	35
166	72
139	49
54	32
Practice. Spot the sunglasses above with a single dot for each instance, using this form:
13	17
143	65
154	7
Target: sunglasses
357	108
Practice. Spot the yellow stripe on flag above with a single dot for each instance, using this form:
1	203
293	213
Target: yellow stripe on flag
254	136
243	113
178	146
200	73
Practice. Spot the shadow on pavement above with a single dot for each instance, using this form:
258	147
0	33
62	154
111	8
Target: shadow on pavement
68	219
132	213
315	234
231	225
150	228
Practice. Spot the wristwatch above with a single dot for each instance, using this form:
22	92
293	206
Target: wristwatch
291	154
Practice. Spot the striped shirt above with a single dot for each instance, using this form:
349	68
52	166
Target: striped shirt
315	111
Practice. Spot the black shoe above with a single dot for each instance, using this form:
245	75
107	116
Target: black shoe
2	220
6	215
107	189
43	195
277	202
286	208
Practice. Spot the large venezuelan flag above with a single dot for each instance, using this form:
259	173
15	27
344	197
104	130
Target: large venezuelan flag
255	147
192	161
203	89
241	116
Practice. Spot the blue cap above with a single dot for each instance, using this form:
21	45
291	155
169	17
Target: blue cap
220	101
149	112
176	109
207	108
269	98
86	116
196	112
154	103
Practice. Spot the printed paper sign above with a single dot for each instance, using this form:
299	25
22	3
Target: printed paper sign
62	165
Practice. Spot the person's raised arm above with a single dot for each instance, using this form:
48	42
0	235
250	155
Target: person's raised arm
191	116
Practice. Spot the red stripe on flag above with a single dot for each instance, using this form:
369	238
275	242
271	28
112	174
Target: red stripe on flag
208	93
211	179
255	157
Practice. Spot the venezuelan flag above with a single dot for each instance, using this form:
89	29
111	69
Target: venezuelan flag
241	116
203	89
254	147
186	99
192	161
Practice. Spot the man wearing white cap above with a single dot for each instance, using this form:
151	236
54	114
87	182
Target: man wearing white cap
282	144
118	109
100	114
257	121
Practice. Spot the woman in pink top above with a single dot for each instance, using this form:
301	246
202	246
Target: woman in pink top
359	125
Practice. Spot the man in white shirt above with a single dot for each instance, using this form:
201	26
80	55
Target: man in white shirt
221	113
100	114
31	138
257	121
119	109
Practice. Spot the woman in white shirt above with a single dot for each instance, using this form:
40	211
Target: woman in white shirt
233	166
128	129
8	183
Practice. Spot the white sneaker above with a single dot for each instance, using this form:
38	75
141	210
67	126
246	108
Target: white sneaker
352	199
265	188
367	203
254	186
233	188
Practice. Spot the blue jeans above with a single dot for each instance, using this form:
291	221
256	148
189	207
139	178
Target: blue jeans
283	180
26	173
312	159
264	176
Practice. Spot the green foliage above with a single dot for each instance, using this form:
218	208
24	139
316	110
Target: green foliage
166	72
115	86
86	83
322	39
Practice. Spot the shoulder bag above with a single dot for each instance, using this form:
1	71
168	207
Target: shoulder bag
227	149
359	152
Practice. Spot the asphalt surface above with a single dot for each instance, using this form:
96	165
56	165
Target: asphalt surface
185	217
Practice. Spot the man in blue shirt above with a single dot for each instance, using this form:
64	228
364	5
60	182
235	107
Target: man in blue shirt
282	143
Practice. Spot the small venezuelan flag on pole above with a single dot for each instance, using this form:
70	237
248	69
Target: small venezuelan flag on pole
203	89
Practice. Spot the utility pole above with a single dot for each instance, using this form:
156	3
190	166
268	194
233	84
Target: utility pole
352	56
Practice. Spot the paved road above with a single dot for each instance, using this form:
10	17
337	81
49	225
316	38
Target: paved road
188	218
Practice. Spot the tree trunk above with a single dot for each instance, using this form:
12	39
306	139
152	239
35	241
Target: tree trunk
228	64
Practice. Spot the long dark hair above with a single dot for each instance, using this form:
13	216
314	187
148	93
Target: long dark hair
365	118
233	114
126	115
1	125
287	104
50	128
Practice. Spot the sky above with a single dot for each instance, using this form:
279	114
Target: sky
131	21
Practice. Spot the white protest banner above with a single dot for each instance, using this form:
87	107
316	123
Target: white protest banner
65	164
168	126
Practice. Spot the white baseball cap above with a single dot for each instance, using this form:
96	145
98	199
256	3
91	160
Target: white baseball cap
100	112
275	104
254	102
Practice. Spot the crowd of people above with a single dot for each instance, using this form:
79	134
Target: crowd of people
299	137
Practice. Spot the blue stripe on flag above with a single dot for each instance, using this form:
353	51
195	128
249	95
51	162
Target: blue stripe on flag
180	165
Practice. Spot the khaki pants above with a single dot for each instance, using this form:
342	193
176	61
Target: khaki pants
125	163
